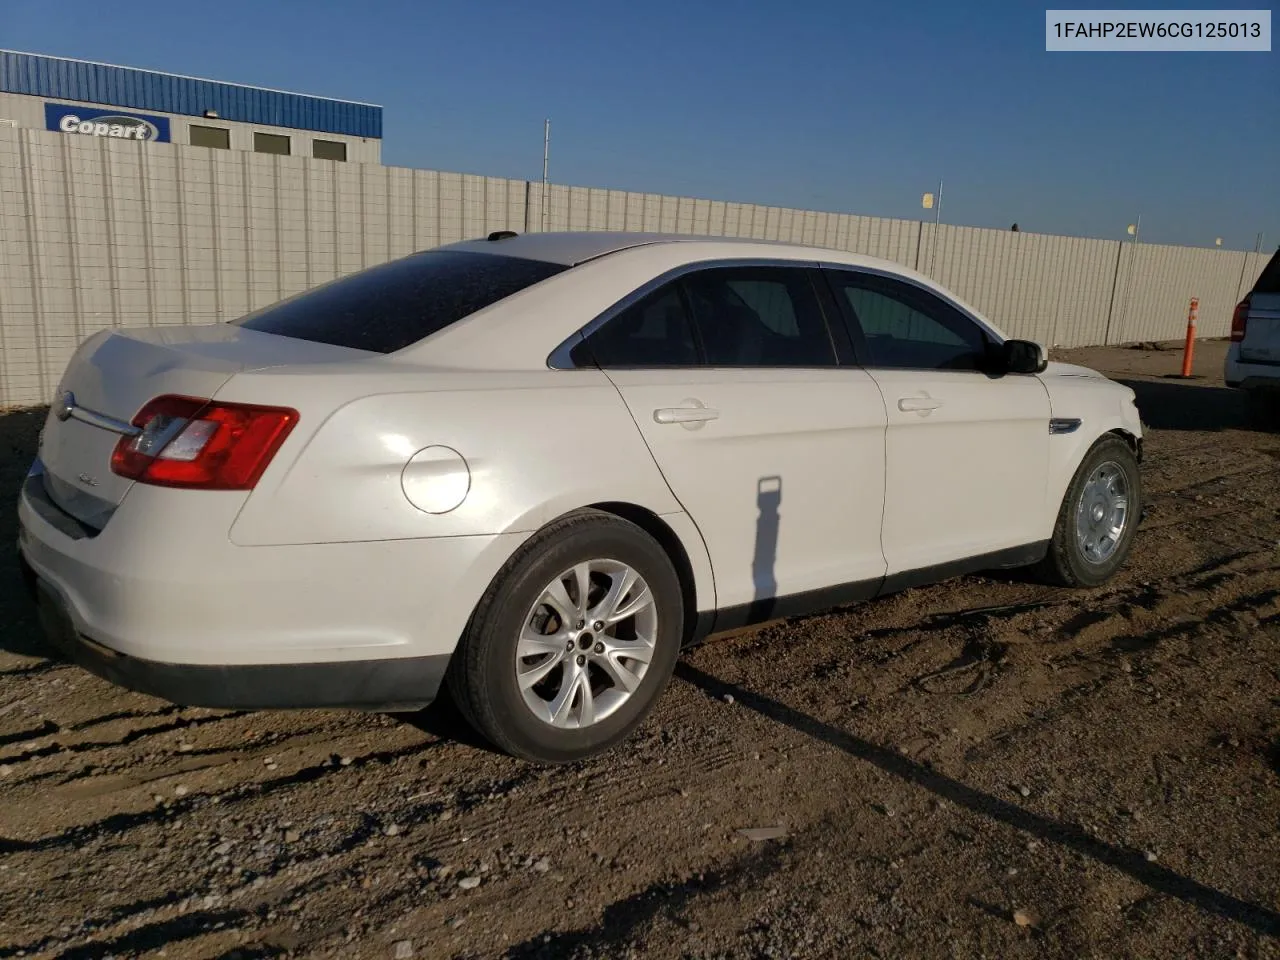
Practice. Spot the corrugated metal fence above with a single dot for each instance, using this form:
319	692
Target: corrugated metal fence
99	233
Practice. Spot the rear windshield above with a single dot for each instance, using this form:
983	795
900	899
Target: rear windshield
1269	281
389	307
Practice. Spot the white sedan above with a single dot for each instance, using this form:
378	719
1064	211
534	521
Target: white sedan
536	467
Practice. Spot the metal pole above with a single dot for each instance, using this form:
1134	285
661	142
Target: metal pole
1128	280
937	220
546	156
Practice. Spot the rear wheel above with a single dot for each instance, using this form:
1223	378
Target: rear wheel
1098	517
574	641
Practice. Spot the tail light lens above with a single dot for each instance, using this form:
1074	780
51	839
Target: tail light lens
1239	319
189	442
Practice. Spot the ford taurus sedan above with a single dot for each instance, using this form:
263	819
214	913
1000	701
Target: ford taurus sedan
533	468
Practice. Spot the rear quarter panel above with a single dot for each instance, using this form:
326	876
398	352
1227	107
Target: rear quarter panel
537	446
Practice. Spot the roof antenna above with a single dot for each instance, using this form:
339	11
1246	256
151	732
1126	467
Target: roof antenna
502	235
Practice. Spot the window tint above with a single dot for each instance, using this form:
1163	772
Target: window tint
653	333
271	143
759	317
217	137
904	326
389	307
328	149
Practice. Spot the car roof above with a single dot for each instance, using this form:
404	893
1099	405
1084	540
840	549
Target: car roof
572	248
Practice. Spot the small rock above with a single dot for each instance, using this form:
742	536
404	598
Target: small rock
185	748
728	698
1013	871
440	872
1150	855
455	922
5	769
224	847
1024	790
1025	918
755	755
291	836
180	790
1126	666
346	761
764	833
402	949
391	830
570	903
469	883
268	761
542	866
157	798
445	815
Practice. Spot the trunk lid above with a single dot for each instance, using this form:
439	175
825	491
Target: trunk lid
115	372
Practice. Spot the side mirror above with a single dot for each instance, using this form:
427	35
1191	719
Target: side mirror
1023	356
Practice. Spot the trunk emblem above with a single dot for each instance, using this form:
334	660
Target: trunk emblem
66	405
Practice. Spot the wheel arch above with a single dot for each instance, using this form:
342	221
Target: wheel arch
674	546
1129	437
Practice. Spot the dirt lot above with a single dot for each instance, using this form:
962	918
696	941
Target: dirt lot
982	768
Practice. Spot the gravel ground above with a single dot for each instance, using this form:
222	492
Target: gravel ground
987	767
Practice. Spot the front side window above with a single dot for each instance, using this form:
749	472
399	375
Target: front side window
389	307
904	326
759	317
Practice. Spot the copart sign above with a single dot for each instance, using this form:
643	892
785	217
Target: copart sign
96	122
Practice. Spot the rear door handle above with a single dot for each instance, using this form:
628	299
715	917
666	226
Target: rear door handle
918	404
685	414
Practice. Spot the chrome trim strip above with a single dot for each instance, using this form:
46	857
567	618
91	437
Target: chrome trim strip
1060	425
102	421
559	357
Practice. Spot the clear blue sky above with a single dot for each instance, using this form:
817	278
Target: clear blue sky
811	103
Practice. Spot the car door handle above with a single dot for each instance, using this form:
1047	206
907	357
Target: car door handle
685	414
918	404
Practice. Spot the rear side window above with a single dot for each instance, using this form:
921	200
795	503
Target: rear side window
759	317
1269	280
652	333
390	307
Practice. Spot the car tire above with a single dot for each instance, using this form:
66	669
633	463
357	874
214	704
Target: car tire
490	676
1082	551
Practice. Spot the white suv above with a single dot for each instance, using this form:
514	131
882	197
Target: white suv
1253	360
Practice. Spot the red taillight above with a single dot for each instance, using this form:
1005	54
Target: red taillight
188	442
1239	319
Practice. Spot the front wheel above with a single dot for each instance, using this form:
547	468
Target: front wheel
1098	517
574	641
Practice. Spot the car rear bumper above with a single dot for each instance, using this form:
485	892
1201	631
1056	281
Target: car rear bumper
165	606
1250	374
404	683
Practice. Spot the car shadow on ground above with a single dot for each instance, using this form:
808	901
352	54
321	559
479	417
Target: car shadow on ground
1131	862
1172	403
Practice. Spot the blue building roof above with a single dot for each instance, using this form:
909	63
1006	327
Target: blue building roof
61	79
